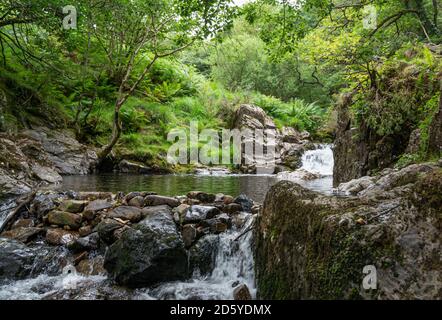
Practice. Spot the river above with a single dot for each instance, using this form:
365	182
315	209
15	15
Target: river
233	260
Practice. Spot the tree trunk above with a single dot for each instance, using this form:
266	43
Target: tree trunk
116	132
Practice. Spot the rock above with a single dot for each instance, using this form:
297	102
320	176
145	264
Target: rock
155	209
256	209
127	166
181	211
43	203
215	225
301	234
91	267
353	187
132	214
137	201
153	200
245	202
88	243
197	213
224	218
149	253
60	237
85	231
227	199
62	219
23	223
91	196
189	234
72	206
232	208
23	234
252	117
239	219
414	142
202	196
18	261
62	151
98	205
203	253
290	135
298	175
106	230
46	174
242	292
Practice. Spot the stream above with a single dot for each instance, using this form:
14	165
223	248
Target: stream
233	260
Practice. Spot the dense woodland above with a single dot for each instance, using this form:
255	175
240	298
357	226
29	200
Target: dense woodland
133	70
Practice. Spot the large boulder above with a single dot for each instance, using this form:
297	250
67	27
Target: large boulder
18	261
202	255
311	246
151	252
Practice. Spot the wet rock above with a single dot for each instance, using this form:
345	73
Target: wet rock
198	213
137	201
43	203
23	223
256	209
62	219
72	206
147	211
154	200
238	220
134	194
19	261
85	231
106	230
98	205
232	208
181	212
242	292
224	218
189	234
203	253
23	234
60	237
215	225
150	252
202	196
88	243
227	199
245	202
91	267
92	195
132	214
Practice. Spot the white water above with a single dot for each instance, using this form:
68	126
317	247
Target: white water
319	161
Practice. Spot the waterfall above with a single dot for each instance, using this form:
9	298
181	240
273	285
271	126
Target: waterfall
233	265
319	161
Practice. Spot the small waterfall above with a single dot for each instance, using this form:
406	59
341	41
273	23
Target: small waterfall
233	265
319	161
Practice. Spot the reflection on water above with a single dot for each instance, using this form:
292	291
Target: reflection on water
254	186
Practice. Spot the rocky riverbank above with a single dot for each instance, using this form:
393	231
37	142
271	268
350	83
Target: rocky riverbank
134	241
311	246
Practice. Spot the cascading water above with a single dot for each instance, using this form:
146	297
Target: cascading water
316	172
319	161
233	265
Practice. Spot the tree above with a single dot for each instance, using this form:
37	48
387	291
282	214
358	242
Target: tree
135	34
